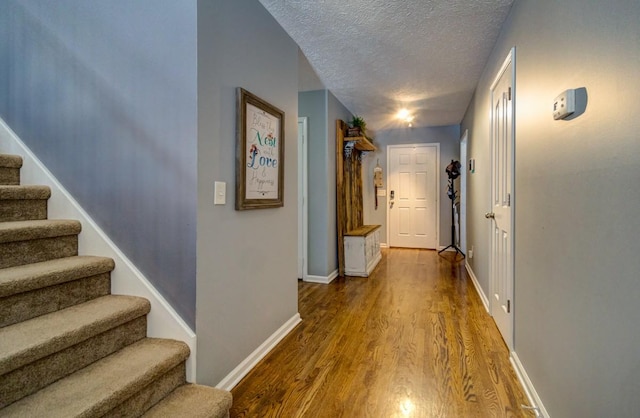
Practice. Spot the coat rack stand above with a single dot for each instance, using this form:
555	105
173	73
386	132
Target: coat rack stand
452	171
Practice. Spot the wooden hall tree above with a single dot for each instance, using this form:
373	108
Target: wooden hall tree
349	153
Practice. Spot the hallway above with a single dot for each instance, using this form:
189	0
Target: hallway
413	340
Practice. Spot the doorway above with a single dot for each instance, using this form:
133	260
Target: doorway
413	181
501	214
302	199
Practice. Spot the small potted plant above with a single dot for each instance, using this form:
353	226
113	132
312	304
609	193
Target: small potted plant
357	126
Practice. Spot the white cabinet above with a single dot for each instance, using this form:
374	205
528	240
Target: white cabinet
362	250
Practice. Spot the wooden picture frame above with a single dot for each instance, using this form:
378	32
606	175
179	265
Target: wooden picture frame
259	153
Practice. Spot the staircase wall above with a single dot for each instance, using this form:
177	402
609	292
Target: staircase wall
163	321
105	95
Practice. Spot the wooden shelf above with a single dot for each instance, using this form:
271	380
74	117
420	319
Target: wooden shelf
362	143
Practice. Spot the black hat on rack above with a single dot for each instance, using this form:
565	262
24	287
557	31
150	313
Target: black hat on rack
453	170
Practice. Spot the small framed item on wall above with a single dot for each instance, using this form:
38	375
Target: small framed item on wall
259	153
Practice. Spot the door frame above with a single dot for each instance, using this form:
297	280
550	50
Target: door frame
388	184
303	198
464	170
509	60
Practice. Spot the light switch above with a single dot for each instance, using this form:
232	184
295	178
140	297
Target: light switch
219	193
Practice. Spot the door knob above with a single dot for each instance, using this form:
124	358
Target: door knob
490	215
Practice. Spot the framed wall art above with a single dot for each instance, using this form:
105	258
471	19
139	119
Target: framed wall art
259	153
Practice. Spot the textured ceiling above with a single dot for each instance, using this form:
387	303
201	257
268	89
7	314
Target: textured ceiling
378	56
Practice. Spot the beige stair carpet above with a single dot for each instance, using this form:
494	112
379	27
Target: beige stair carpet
68	348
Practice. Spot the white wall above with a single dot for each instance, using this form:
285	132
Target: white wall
576	201
247	261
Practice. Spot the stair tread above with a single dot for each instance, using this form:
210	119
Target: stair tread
10	161
15	192
45	228
36	338
14	280
196	401
101	386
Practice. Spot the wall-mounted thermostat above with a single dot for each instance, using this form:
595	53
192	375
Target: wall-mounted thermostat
565	104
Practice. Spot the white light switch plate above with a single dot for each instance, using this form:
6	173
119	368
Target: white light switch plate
219	193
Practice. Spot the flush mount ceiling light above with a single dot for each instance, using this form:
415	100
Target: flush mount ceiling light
404	115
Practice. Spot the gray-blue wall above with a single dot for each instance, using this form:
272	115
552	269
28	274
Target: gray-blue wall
247	260
322	109
577	201
449	139
104	93
313	105
335	111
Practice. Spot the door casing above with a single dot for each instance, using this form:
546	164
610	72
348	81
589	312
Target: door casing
303	201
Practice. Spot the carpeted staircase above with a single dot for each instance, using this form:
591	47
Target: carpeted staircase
68	348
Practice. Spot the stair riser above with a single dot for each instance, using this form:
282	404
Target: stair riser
33	251
27	305
10	176
143	400
22	210
34	376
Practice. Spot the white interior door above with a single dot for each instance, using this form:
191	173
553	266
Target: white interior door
413	195
302	198
502	199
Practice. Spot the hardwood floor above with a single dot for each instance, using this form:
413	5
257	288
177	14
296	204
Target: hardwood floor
412	340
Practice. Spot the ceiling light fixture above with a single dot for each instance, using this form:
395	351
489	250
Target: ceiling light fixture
404	115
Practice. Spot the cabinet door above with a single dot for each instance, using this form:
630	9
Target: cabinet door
354	255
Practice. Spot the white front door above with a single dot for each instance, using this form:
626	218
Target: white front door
413	195
502	200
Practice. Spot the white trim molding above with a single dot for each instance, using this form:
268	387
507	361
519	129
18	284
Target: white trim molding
476	284
236	375
384	245
321	279
530	391
163	321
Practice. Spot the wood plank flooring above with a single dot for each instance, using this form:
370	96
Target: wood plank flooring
412	340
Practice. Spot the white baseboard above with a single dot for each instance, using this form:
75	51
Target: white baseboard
322	279
236	375
474	279
384	245
529	390
163	321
